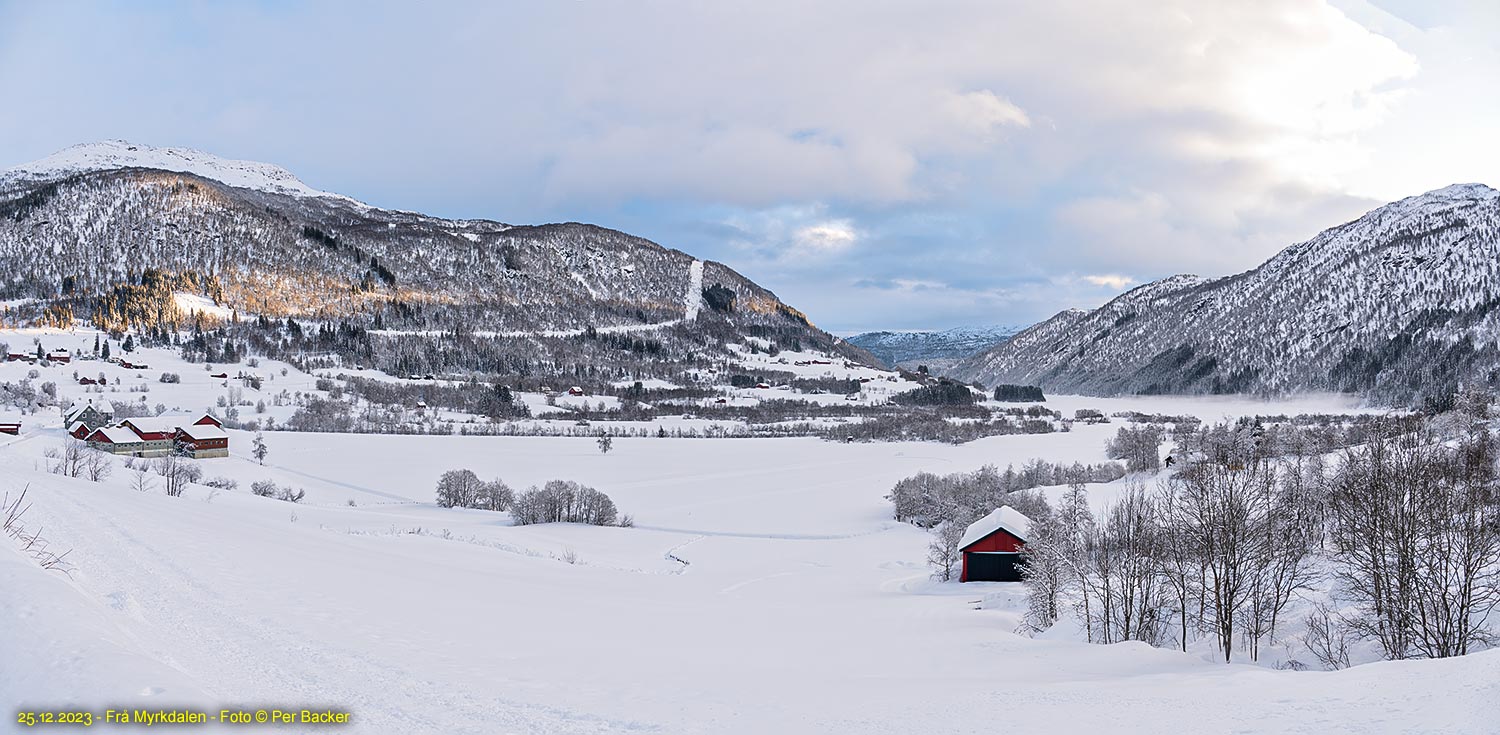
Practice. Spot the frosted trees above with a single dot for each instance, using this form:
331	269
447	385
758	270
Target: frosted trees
1220	509
1416	531
496	495
1126	553
260	451
606	443
1139	446
942	550
1045	571
69	460
926	499
458	488
564	501
464	489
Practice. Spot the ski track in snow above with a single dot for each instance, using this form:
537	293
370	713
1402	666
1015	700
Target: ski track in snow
399	499
693	299
671	554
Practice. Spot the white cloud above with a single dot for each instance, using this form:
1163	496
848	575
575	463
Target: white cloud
826	237
1139	138
1110	280
792	235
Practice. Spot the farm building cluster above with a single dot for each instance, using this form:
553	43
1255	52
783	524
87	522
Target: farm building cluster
58	357
199	437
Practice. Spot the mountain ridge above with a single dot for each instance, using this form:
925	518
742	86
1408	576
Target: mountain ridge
932	347
1352	309
90	234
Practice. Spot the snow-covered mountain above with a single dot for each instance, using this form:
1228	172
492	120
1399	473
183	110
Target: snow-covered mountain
93	232
931	347
1398	304
115	154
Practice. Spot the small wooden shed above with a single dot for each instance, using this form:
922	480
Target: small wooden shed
992	547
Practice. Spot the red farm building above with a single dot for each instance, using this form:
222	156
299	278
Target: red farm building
992	547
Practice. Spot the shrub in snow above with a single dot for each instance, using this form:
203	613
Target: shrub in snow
222	483
177	473
268	489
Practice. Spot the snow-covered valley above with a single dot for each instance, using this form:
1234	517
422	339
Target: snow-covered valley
763	587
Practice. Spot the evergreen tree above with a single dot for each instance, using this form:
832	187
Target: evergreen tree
260	451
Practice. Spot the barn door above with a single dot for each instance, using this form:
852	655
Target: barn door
994	566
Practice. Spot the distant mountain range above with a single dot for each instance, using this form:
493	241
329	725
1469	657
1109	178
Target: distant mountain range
113	233
1396	305
935	349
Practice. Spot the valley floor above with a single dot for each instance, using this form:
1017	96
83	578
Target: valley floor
764	590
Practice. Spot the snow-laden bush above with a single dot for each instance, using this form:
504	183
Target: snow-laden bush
222	483
268	489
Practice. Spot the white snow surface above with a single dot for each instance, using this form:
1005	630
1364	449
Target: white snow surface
693	299
190	303
764	588
113	154
1013	521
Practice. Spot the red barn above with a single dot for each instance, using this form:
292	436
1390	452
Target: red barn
10	427
992	547
201	441
209	419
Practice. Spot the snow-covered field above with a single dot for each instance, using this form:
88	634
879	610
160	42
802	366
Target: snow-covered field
763	589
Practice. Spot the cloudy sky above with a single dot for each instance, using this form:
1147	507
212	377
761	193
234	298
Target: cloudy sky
899	165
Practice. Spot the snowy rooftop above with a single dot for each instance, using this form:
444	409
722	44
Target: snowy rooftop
1004	517
116	434
164	423
195	431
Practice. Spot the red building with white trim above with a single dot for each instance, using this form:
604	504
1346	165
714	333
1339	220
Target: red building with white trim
992	547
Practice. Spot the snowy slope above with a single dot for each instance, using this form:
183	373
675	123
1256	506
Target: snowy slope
759	571
250	239
472	626
114	154
1398	304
